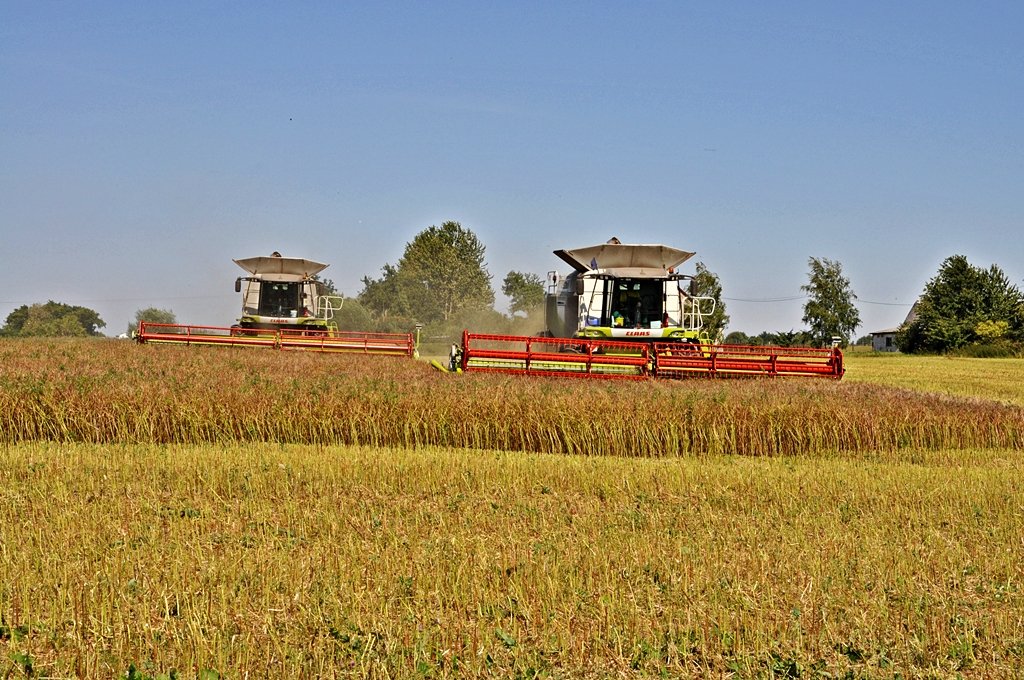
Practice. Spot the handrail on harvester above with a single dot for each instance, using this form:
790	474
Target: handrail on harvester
398	344
580	357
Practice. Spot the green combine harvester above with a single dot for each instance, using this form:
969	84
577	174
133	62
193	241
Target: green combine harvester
284	306
626	292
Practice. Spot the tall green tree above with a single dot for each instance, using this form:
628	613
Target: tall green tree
964	305
53	319
328	286
829	311
353	316
442	273
525	291
384	296
707	284
152	315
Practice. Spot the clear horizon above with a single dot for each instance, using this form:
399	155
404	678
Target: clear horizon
145	146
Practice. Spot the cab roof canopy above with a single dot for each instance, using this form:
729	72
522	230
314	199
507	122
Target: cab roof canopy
626	260
277	268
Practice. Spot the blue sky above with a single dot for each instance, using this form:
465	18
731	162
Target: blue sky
144	146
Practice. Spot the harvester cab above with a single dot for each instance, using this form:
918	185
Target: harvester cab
284	293
626	292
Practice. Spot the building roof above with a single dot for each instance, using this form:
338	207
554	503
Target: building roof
911	316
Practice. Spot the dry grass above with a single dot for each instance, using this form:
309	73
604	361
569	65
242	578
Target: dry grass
261	513
315	562
992	379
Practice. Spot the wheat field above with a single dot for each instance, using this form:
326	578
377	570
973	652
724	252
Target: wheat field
174	512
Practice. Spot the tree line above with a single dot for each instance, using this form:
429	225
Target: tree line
52	319
442	282
967	309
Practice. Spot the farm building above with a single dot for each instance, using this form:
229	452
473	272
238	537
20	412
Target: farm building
885	340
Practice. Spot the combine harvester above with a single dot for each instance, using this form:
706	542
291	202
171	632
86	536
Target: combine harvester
626	312
283	307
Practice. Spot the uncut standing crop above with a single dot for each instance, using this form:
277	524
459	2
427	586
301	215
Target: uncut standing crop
116	392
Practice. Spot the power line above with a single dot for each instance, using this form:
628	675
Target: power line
888	304
804	297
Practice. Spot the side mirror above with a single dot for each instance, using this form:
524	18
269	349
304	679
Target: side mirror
579	286
238	285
